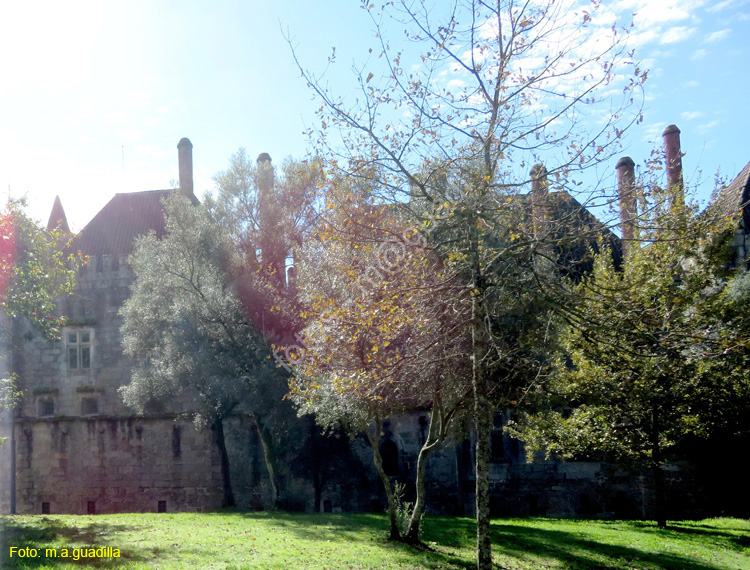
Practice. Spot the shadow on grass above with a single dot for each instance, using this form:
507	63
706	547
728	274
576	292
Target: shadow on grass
531	543
365	528
585	552
50	533
521	541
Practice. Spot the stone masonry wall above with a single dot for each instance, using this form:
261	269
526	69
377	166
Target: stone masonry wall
109	465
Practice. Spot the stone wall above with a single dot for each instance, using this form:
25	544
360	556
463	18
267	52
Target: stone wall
43	366
108	465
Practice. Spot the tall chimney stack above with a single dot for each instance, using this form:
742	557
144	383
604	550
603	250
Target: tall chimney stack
673	157
539	193
185	157
272	245
628	204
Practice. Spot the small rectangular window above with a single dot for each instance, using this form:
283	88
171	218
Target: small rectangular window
89	406
45	508
161	507
46	407
91	507
79	350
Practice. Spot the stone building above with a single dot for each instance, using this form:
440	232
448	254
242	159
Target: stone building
74	447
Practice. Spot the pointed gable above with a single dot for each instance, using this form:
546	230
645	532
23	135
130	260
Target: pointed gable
57	219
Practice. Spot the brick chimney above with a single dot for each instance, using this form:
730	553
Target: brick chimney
673	157
628	204
273	255
185	157
539	194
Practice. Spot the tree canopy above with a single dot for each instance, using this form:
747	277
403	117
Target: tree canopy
186	329
479	92
34	269
384	332
657	350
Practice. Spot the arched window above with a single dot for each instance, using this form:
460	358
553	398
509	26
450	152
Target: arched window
389	453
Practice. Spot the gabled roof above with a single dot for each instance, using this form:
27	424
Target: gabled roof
125	217
734	199
576	233
57	219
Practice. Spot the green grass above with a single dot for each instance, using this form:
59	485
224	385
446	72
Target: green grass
239	541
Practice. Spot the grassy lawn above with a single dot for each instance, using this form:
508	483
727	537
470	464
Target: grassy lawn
238	541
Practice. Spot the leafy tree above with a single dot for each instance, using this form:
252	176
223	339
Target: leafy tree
268	213
482	90
384	335
34	269
186	329
658	351
34	272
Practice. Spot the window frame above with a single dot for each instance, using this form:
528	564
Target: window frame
92	402
45	407
82	349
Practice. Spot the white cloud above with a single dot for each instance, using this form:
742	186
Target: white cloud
677	34
650	12
717	36
707	127
720	6
690	115
652	132
691	84
699	54
639	38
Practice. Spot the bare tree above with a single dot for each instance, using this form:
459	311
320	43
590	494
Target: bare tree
448	124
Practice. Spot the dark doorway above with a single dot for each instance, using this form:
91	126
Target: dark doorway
389	453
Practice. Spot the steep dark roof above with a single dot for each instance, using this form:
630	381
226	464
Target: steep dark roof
57	219
576	233
125	217
733	199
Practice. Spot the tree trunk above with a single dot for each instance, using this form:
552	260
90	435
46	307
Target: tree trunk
228	499
378	461
265	444
660	502
482	412
432	441
482	407
318	484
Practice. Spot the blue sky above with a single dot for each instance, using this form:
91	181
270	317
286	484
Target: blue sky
84	84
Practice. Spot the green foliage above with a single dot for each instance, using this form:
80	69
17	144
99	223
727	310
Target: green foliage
404	511
9	396
34	269
656	352
183	323
254	202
